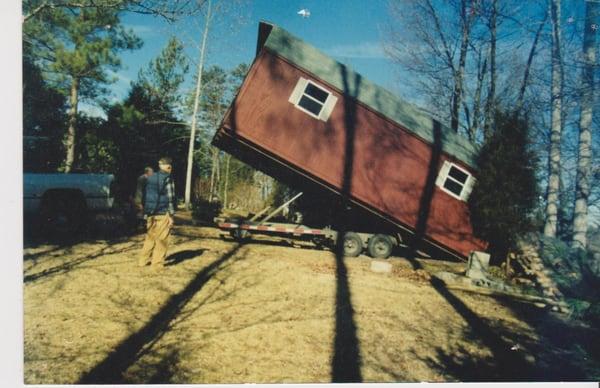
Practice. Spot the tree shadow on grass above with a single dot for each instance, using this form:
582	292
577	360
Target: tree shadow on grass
72	264
71	261
531	356
562	341
504	364
166	368
167	360
346	362
111	370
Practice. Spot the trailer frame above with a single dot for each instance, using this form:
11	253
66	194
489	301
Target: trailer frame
377	245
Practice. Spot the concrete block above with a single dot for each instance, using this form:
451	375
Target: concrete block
381	266
478	264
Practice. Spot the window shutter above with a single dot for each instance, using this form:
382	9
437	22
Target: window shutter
298	90
328	107
466	191
443	174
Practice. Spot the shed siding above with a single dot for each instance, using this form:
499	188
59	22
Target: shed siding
389	165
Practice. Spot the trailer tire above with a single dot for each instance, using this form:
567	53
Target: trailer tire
320	242
239	235
353	245
380	246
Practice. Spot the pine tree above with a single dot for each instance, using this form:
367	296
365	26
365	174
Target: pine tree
76	48
164	75
147	124
506	193
43	120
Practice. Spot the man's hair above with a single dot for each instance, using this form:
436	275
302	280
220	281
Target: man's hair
165	160
148	170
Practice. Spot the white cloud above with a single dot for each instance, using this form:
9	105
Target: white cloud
372	50
92	110
120	77
122	84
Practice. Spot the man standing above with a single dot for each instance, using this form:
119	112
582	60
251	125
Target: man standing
141	187
140	195
159	207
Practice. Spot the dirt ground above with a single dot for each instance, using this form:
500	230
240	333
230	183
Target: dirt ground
268	312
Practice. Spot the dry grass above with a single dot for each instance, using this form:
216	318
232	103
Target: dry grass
263	313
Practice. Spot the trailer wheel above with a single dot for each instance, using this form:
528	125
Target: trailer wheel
239	234
319	242
380	246
353	245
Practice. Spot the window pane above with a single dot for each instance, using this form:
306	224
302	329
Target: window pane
458	175
453	186
310	105
316	93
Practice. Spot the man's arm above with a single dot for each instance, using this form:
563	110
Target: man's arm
139	192
171	196
143	199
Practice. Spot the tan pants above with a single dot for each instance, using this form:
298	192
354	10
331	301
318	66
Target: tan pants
155	246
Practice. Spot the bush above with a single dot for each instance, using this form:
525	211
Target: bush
575	273
592	314
504	199
571	269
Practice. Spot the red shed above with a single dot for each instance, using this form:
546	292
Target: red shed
305	118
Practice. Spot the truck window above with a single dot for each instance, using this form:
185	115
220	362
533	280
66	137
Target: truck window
313	99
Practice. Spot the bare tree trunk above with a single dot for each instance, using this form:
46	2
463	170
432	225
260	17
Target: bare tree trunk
190	162
217	170
481	70
460	71
491	100
552	196
228	159
562	221
71	132
213	174
521	97
582	186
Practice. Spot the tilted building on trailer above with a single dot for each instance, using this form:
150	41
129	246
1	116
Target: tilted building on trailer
309	120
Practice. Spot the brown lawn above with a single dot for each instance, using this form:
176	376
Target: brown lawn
266	312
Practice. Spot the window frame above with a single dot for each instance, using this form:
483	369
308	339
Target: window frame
466	187
300	91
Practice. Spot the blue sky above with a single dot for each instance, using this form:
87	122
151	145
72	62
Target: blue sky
349	31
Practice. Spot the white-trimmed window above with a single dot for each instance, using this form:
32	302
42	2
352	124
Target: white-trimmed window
313	99
455	181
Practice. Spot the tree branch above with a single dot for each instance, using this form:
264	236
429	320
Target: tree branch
169	10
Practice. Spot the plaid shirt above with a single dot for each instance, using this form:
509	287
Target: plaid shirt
171	196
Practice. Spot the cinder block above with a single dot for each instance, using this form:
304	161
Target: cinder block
381	266
478	265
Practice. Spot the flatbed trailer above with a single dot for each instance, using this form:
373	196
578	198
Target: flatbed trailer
377	245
